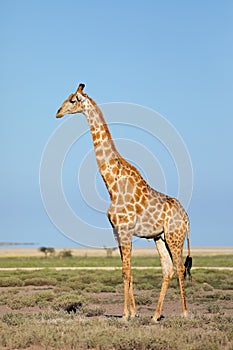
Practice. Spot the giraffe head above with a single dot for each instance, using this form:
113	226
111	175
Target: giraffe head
75	103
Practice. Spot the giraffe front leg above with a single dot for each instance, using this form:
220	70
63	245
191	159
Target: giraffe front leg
132	306
129	303
123	234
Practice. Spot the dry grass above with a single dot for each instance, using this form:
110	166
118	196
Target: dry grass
84	252
34	311
61	331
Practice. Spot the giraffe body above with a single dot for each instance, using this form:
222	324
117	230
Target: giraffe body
136	208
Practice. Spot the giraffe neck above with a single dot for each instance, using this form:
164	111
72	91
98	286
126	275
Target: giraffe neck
107	155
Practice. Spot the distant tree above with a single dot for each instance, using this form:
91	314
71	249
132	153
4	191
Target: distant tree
44	250
109	251
51	251
47	250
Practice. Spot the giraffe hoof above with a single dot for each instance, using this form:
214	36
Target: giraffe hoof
161	317
157	320
125	318
134	316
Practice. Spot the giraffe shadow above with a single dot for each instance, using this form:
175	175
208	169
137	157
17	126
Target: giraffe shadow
119	316
112	316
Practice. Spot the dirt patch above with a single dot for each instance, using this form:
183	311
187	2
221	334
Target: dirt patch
112	303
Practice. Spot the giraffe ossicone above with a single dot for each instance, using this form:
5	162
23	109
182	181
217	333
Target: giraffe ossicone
136	209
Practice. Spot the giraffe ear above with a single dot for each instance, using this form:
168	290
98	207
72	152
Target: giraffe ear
80	97
80	88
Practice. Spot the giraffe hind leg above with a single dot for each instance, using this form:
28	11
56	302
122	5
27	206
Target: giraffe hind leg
168	272
177	250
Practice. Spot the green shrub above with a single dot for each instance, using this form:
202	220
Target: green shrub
21	301
44	298
213	308
66	299
207	287
40	281
11	282
65	254
12	319
94	311
143	300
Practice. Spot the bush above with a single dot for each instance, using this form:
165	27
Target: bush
40	281
64	301
143	300
95	311
12	319
213	308
66	254
21	301
11	282
47	250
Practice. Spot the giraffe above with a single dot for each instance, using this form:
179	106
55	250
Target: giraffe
136	208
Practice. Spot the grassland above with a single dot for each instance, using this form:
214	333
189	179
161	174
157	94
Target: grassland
50	309
215	260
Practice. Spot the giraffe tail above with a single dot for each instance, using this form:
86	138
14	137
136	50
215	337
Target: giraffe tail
189	260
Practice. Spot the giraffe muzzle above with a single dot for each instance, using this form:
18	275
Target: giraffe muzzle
59	114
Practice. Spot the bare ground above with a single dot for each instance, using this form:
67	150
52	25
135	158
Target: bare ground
112	303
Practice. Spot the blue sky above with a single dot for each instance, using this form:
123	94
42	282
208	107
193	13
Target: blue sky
175	57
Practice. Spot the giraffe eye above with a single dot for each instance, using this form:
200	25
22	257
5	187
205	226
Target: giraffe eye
72	101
